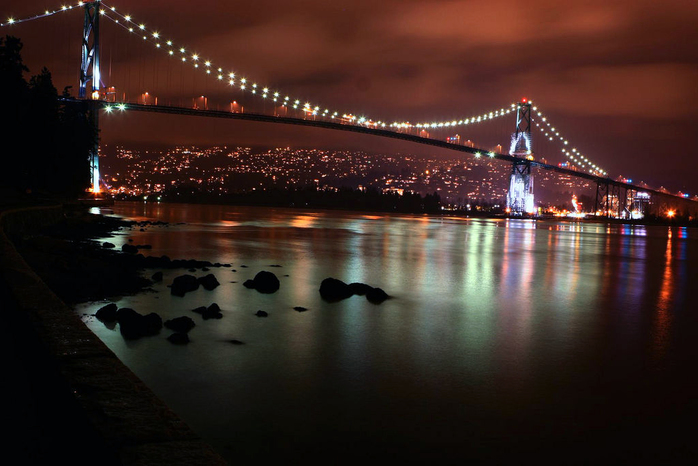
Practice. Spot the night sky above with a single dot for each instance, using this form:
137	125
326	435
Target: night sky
619	79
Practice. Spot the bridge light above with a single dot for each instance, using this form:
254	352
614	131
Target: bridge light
491	154
121	107
127	17
195	57
156	35
477	155
140	26
208	63
11	20
170	52
182	50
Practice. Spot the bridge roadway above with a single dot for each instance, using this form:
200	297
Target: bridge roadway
377	132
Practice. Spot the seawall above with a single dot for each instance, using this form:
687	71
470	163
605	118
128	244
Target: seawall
133	426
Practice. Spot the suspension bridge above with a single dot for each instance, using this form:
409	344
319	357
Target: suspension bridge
614	197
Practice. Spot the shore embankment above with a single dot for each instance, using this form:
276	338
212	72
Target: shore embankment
71	397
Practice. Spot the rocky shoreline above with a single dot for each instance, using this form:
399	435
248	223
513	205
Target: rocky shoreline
74	261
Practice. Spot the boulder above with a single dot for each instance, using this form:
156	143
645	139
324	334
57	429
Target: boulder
108	245
360	288
199	310
156	277
300	308
129	249
212	312
332	289
178	338
264	282
133	325
107	313
180	324
376	295
237	342
261	314
183	284
151	324
209	282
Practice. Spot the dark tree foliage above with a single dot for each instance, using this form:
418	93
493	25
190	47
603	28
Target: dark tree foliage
45	144
313	197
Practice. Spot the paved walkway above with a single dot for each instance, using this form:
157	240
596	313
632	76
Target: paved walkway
46	423
67	396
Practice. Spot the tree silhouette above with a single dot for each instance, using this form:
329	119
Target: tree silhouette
45	143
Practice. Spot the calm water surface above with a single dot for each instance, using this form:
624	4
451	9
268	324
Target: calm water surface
504	339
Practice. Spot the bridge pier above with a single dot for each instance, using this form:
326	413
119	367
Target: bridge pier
520	200
89	71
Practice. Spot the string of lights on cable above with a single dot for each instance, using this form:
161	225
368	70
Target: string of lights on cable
460	122
232	78
552	134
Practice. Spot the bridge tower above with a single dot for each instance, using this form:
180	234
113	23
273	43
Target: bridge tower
520	199
89	71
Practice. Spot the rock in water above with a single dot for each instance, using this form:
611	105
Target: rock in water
209	282
157	277
376	295
133	325
266	282
151	324
178	338
261	314
183	284
180	324
107	313
130	249
300	308
108	245
360	288
212	312
332	289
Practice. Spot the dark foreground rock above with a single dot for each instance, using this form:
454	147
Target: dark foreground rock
211	312
264	282
133	325
209	282
180	324
183	284
107	313
376	295
333	290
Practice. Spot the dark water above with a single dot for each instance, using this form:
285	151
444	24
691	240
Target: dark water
504	341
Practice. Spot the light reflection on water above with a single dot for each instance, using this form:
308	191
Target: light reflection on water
498	330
